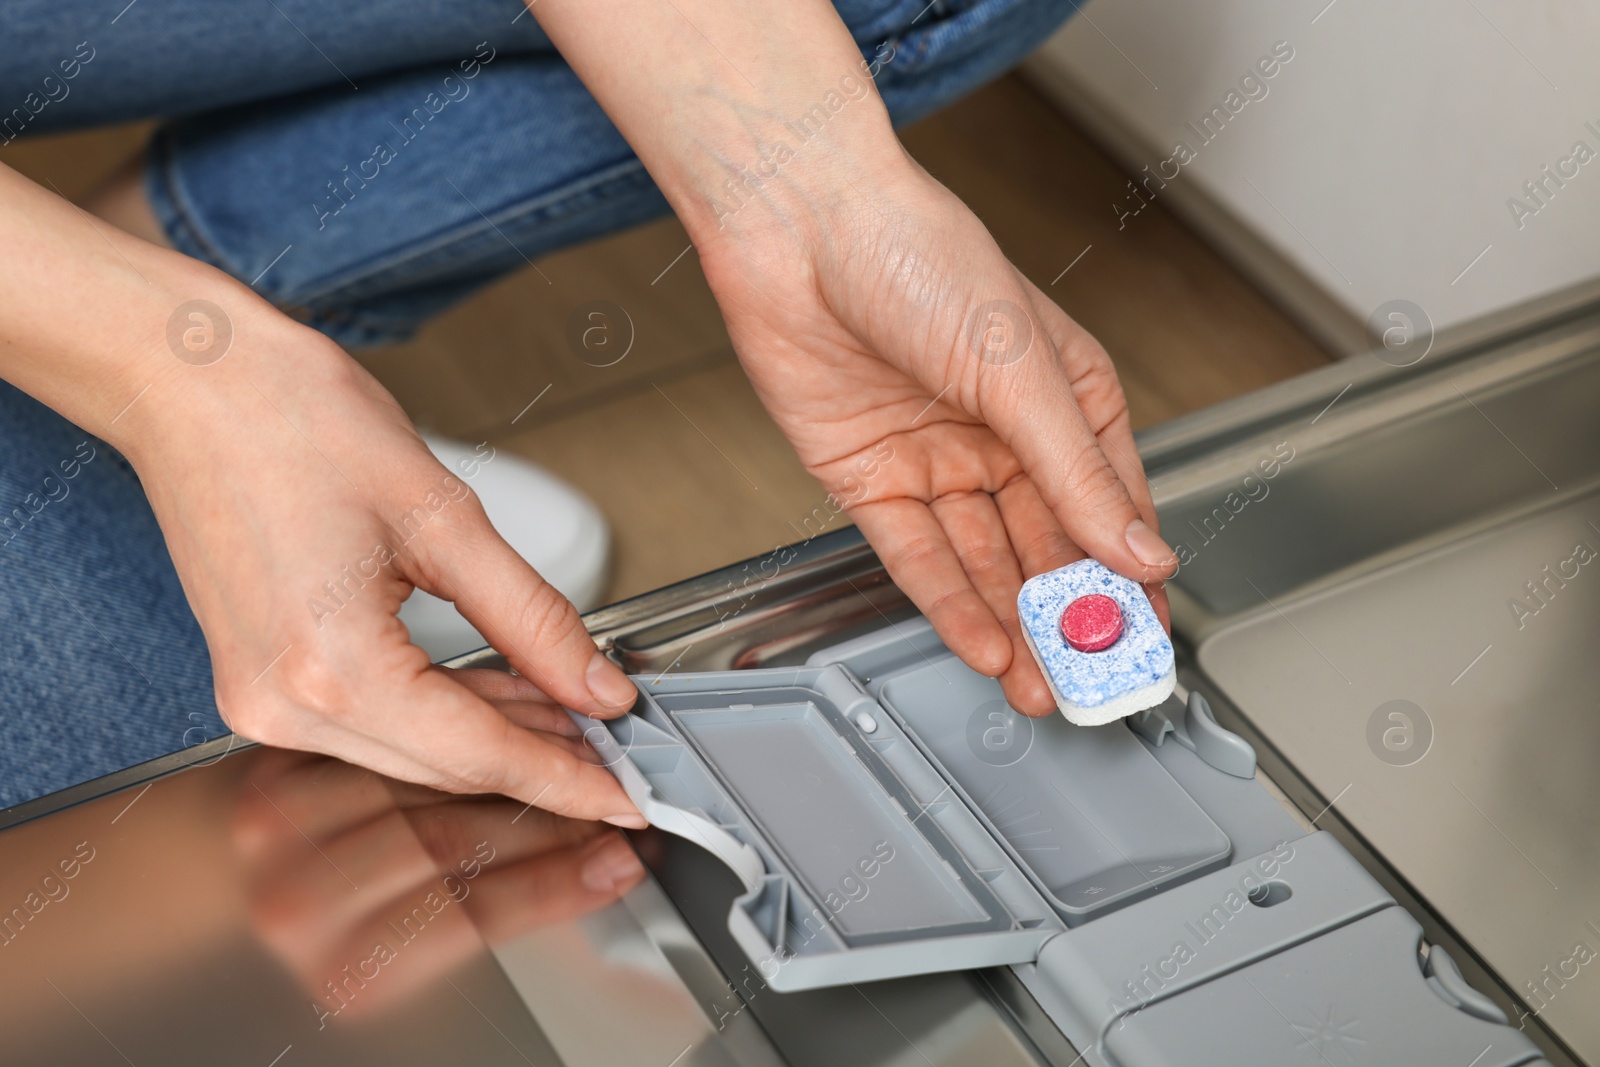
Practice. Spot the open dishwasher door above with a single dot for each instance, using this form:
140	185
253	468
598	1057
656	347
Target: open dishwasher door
1388	597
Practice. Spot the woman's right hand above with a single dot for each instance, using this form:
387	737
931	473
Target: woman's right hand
301	508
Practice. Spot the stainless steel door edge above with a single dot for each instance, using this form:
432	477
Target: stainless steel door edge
205	754
771	610
1311	492
1207	435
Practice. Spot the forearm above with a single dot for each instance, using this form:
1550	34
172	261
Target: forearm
80	306
739	110
85	316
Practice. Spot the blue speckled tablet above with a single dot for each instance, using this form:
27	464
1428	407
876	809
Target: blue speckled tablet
1134	673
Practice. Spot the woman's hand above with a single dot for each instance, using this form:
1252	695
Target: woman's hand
301	508
874	314
975	433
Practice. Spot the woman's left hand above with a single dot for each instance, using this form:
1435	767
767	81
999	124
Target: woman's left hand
974	432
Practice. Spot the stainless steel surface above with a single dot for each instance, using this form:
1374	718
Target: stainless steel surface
1188	455
179	942
228	884
202	917
1382	563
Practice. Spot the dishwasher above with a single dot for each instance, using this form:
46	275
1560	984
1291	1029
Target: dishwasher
1361	831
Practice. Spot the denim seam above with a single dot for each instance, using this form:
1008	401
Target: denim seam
179	217
550	205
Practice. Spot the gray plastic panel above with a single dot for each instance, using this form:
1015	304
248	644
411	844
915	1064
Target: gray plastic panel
1249	815
1354	995
1088	811
882	653
1252	818
822	811
869	869
1162	980
1091	976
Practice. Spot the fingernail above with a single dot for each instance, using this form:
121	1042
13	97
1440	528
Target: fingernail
1147	545
613	866
630	821
607	684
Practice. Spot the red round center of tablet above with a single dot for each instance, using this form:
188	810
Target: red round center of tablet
1092	623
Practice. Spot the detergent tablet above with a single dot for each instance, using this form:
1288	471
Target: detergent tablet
1098	641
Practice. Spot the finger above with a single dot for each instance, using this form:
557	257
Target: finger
525	618
569	738
973	523
922	562
479	750
1101	398
1157	592
1032	403
417	724
517	699
546	718
1038	539
498	685
1042	545
1118	443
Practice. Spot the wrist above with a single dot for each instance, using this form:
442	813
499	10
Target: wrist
225	360
796	163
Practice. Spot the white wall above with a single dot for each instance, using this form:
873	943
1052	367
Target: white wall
1382	158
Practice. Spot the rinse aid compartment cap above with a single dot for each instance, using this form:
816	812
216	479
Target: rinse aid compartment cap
1098	641
858	862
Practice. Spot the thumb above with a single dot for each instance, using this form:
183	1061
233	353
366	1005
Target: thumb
524	617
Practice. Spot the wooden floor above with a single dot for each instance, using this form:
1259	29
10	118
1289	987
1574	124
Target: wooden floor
671	441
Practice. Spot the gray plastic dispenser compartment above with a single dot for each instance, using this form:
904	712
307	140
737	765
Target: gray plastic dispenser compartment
858	864
1194	726
1250	817
879	833
1088	812
820	810
1095	975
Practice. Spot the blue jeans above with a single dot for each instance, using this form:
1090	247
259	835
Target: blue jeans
364	166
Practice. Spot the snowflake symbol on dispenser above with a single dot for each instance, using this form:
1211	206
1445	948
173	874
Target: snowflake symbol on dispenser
1330	1034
